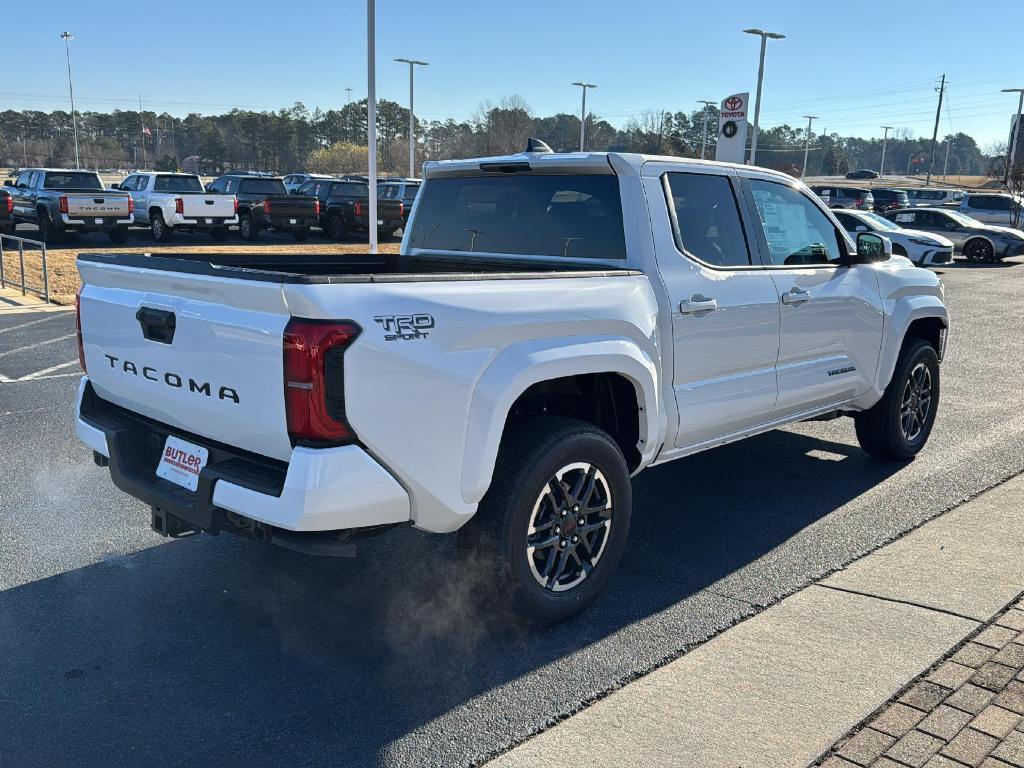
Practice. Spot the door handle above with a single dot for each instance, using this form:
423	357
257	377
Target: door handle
796	296
697	303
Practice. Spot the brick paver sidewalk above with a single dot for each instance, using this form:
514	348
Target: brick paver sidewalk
967	710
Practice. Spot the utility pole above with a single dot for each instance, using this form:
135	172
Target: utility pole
760	80
583	114
885	140
807	143
371	117
412	120
67	37
704	130
935	133
1011	153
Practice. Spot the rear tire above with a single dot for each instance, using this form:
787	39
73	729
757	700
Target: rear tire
897	427
555	520
47	232
301	235
336	229
161	232
119	235
246	228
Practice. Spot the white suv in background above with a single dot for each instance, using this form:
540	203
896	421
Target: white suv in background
922	248
934	198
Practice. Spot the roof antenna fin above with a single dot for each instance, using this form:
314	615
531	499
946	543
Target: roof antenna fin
538	147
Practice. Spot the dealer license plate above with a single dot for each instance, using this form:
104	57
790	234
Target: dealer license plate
293	221
380	222
181	462
99	221
209	221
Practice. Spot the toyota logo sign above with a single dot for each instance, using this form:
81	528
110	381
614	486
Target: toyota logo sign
733	103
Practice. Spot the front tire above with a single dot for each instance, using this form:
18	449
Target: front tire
118	236
978	250
556	517
898	426
161	232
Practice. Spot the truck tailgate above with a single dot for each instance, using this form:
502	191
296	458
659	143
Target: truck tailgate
292	206
208	206
84	205
216	369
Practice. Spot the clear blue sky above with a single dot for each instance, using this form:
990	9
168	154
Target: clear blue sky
855	65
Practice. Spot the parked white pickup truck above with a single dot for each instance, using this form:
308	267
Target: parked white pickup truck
554	324
166	202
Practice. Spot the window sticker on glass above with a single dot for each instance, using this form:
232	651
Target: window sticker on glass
904	217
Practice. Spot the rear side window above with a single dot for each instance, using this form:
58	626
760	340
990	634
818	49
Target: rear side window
71	180
706	219
525	214
177	184
262	187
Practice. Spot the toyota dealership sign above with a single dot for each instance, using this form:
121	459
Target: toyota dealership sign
732	128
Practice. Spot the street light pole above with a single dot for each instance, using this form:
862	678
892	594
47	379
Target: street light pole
1012	152
807	143
412	120
67	37
349	92
583	114
371	117
704	130
885	140
760	81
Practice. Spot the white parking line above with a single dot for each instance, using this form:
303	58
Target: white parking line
26	325
42	374
38	344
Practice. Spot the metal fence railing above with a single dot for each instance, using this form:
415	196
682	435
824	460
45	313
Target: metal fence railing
44	291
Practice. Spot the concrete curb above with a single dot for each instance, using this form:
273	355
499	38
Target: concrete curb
780	688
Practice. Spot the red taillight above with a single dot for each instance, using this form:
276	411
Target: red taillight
179	205
63	203
236	205
131	204
78	328
858	203
359	208
316	207
10	205
401	209
266	207
314	387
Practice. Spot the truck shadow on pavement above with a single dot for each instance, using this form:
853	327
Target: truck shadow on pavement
219	651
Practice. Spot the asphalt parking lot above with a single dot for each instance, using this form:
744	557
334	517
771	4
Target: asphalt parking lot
119	648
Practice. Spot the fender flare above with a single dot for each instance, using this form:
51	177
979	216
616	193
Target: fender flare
522	365
906	311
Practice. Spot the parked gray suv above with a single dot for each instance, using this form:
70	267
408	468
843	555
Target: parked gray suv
975	240
845	197
993	208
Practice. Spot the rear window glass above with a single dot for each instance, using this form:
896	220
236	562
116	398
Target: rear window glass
526	214
71	180
390	192
262	187
177	184
352	189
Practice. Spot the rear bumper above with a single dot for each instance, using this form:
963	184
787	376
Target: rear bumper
326	489
286	222
178	220
90	225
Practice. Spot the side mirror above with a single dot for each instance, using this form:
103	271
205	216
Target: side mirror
115	186
872	247
8	182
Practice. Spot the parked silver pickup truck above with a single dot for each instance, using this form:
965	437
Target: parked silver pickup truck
59	201
166	202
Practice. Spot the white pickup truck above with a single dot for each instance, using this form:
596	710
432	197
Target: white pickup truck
554	324
166	202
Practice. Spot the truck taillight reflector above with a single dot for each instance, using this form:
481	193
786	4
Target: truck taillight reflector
179	205
314	384
10	205
236	205
266	207
401	209
316	207
359	208
131	204
63	203
78	328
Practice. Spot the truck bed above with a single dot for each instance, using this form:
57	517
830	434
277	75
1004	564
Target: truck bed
354	268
